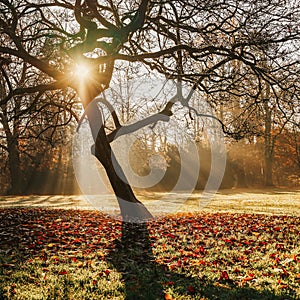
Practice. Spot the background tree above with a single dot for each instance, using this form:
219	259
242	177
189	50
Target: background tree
32	112
31	125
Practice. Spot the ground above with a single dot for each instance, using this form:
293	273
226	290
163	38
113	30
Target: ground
268	201
243	245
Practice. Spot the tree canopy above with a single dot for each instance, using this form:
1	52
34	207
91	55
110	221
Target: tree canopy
217	45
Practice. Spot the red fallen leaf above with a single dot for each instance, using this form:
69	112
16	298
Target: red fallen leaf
168	297
179	263
191	289
106	272
228	241
74	259
261	243
76	241
170	235
279	246
248	279
224	276
200	250
295	258
64	272
169	282
94	282
31	246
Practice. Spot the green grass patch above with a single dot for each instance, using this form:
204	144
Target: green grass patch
72	254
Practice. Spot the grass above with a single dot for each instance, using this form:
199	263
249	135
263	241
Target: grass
267	201
80	254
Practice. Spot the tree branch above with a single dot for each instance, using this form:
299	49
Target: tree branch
31	90
163	115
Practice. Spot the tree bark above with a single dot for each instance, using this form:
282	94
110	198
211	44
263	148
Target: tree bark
268	170
17	180
269	147
14	162
132	209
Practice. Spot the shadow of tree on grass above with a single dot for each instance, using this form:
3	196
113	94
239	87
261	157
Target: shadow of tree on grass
146	279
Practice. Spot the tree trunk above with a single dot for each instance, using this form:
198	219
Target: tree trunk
269	142
268	146
131	208
268	169
17	180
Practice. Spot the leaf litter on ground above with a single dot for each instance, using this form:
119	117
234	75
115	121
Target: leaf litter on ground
43	249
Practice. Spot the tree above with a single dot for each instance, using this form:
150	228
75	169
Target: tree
30	116
287	156
268	111
184	40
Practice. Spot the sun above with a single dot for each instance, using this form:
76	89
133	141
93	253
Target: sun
82	71
82	76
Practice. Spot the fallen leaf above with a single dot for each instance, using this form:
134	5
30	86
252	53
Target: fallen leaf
63	272
191	289
248	279
224	276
